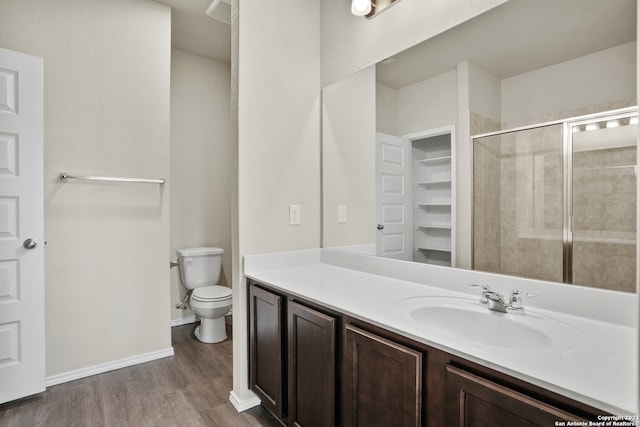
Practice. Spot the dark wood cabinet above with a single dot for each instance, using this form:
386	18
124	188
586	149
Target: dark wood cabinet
382	381
292	359
312	366
475	401
266	349
312	362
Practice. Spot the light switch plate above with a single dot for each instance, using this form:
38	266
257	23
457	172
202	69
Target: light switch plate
342	214
294	214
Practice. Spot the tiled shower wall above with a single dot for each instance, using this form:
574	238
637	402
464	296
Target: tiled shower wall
518	204
604	194
517	225
531	203
486	197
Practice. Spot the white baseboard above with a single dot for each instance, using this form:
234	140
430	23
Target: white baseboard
242	405
106	367
184	321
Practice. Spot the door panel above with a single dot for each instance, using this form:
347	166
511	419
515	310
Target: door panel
477	402
393	197
382	381
312	360
22	361
266	356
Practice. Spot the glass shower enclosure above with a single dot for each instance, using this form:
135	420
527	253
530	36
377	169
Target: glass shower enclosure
557	201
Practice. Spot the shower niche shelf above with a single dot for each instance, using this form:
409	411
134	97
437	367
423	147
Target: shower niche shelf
434	198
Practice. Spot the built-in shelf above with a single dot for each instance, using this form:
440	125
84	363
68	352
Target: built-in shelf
443	159
428	205
438	182
433	248
434	198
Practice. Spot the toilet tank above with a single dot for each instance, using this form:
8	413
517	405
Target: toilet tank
200	266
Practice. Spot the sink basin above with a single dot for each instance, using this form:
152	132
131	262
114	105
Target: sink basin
467	319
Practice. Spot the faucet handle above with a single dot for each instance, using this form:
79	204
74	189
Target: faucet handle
515	302
515	293
485	290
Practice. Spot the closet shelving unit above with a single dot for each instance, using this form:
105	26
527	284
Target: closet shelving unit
434	194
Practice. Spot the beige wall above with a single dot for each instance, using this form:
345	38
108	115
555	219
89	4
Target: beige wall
279	127
348	158
106	112
567	86
428	104
201	162
351	43
278	141
386	107
484	93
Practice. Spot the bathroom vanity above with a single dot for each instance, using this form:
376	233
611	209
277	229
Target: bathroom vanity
346	339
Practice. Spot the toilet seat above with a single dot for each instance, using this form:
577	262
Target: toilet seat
211	293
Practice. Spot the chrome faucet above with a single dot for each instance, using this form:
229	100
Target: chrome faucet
496	302
515	302
484	288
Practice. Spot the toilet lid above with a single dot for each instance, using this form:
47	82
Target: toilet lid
189	252
211	293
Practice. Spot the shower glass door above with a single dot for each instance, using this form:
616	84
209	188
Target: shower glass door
557	201
517	207
603	205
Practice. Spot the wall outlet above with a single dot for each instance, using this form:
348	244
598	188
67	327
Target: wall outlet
342	214
294	214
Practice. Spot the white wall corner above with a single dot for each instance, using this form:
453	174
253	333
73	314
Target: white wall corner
247	401
464	170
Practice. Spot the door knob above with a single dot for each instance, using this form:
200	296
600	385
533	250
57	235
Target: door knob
380	227
29	244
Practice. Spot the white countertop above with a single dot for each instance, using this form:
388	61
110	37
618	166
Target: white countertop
601	370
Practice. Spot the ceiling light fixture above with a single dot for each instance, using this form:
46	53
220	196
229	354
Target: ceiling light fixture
370	8
361	7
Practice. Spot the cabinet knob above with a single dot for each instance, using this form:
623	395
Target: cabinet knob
380	227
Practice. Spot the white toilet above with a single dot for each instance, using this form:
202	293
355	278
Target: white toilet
200	271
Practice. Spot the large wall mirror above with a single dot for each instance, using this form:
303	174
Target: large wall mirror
506	144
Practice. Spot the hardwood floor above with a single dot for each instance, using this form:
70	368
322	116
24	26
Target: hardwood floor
190	388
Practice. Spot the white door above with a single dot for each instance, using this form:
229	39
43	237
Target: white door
22	362
393	197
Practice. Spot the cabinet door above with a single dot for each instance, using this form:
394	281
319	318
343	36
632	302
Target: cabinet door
382	381
311	367
265	343
476	402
